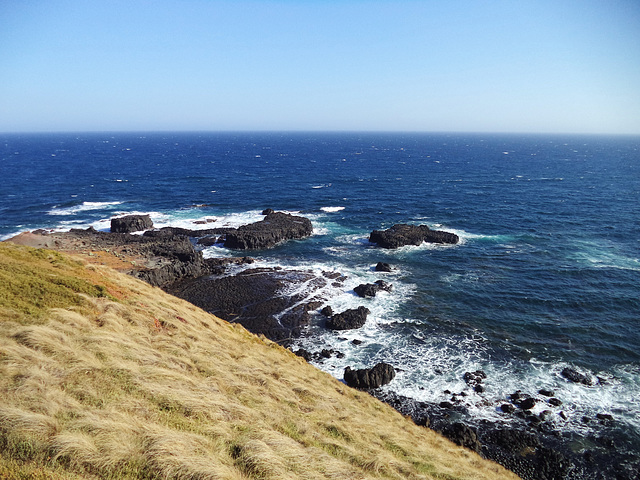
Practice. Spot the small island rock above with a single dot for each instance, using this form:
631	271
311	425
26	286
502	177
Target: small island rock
400	235
131	223
273	229
383	267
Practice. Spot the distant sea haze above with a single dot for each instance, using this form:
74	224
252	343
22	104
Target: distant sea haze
546	275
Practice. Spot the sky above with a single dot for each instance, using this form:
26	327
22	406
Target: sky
557	66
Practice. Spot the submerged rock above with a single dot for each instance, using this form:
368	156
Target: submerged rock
402	234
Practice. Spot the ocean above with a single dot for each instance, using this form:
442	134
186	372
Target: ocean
546	275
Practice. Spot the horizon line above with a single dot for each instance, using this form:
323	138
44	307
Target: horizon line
310	131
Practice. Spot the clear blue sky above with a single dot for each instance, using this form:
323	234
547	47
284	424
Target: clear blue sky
487	66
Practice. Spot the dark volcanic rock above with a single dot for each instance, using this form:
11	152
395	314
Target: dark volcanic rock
368	378
218	266
366	290
522	446
159	261
275	228
383	267
208	241
131	223
370	289
463	435
524	454
474	378
527	403
306	354
403	234
253	298
327	311
507	408
575	376
349	319
605	417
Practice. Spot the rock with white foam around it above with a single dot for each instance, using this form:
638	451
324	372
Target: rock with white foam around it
370	289
575	376
400	235
349	319
131	223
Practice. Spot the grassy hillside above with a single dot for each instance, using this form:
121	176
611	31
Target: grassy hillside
103	376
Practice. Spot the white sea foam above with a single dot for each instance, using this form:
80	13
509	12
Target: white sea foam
187	218
331	209
430	361
84	207
603	254
430	364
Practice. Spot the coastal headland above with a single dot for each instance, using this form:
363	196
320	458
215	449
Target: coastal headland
106	376
234	290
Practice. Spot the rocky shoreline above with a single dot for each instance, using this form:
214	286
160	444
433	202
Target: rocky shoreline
531	445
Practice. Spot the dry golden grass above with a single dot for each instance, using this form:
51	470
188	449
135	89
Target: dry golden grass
109	377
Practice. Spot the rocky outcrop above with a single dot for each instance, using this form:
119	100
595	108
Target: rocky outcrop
368	378
327	311
523	450
475	379
253	298
383	267
131	223
167	258
575	376
463	435
320	356
275	228
402	234
349	319
218	266
370	289
159	261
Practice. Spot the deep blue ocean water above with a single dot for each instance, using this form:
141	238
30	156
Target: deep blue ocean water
547	274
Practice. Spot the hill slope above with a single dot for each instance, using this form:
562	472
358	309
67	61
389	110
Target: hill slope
104	376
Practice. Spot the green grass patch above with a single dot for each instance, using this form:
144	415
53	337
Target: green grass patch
32	281
336	432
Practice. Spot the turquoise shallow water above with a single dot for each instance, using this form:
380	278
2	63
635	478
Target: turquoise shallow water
547	274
